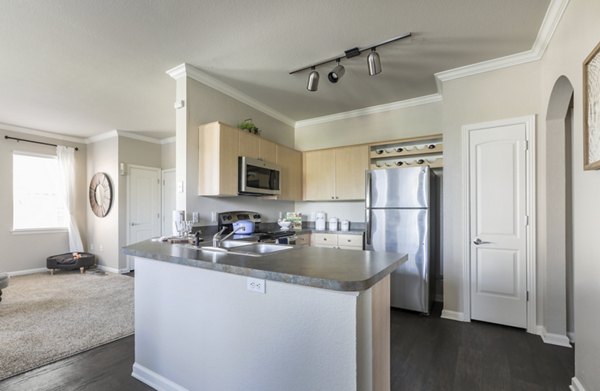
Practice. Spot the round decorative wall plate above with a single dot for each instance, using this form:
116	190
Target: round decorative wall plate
100	194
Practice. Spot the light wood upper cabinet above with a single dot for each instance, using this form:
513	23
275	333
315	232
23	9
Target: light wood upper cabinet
248	144
335	174
267	150
290	162
319	175
218	160
350	166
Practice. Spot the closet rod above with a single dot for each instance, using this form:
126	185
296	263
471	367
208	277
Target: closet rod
34	142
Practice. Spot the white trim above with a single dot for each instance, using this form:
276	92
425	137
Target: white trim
454	315
553	15
101	137
530	123
154	380
38	231
112	269
41	133
552	339
422	100
576	385
168	140
27	271
192	72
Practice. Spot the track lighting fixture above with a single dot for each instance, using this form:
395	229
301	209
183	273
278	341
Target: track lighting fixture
373	63
313	80
336	73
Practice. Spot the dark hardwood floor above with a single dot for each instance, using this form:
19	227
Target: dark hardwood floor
428	353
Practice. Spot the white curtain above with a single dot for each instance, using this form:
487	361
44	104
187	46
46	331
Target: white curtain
66	174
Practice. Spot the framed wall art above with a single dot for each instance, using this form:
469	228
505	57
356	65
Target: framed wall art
591	110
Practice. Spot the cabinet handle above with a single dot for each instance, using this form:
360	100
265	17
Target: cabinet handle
332	197
349	240
325	239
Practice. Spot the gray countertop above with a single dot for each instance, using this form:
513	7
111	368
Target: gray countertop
334	269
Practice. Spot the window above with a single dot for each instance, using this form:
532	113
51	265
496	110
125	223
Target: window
38	202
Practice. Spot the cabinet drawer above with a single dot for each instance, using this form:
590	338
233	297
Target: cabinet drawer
324	240
350	241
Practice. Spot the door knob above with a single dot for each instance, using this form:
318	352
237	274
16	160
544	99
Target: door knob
477	241
134	224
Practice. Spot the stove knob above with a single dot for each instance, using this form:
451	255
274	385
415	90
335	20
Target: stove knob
256	216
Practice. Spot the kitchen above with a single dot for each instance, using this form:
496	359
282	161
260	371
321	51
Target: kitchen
519	84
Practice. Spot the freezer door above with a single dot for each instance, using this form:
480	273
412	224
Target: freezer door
398	188
404	231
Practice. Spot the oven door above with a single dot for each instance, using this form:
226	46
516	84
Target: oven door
258	177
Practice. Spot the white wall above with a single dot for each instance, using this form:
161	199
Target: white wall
203	105
167	152
29	251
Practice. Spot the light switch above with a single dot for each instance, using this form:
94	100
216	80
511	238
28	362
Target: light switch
180	187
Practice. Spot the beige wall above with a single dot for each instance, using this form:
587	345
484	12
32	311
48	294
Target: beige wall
203	105
576	36
29	251
167	152
103	233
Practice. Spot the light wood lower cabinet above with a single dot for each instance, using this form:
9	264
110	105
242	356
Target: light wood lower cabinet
303	240
343	241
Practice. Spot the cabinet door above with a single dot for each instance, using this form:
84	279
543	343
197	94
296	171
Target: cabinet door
248	145
290	162
218	167
303	240
350	242
350	166
319	174
267	150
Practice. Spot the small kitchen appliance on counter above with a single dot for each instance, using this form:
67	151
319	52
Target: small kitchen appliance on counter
344	225
333	223
262	233
320	219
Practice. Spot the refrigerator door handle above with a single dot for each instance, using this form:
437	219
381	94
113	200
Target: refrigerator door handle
368	208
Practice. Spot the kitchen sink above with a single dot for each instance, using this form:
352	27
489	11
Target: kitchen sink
260	249
235	243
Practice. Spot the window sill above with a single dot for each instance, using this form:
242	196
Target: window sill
35	231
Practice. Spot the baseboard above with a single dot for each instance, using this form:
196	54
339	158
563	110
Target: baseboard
553	339
112	269
453	315
154	380
28	271
576	385
571	336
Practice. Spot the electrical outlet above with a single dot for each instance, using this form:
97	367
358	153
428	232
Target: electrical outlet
213	217
255	285
180	187
91	246
101	247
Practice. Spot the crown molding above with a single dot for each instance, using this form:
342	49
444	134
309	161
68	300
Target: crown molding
422	100
168	140
192	72
41	133
553	15
101	137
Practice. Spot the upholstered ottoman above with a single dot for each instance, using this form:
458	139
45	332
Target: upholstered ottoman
68	261
3	283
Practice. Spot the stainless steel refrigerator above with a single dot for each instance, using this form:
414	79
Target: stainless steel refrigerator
400	213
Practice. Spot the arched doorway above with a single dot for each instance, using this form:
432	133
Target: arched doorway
558	303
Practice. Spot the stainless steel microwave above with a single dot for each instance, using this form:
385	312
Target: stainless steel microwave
258	177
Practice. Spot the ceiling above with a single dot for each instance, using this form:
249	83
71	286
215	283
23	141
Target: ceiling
85	67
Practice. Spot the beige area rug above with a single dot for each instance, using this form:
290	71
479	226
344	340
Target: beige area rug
46	318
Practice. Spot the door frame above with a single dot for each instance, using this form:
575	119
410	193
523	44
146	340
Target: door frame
162	199
530	123
130	264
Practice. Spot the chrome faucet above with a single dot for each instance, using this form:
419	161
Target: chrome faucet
217	240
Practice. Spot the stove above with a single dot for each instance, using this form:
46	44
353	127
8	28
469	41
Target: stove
263	232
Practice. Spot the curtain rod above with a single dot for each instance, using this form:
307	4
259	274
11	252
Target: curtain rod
34	142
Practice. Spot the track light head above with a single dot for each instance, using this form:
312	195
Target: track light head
336	73
313	80
374	63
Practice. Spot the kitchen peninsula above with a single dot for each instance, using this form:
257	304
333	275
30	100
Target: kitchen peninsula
301	319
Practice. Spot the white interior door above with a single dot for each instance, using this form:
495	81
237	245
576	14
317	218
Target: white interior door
168	201
143	204
498	224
